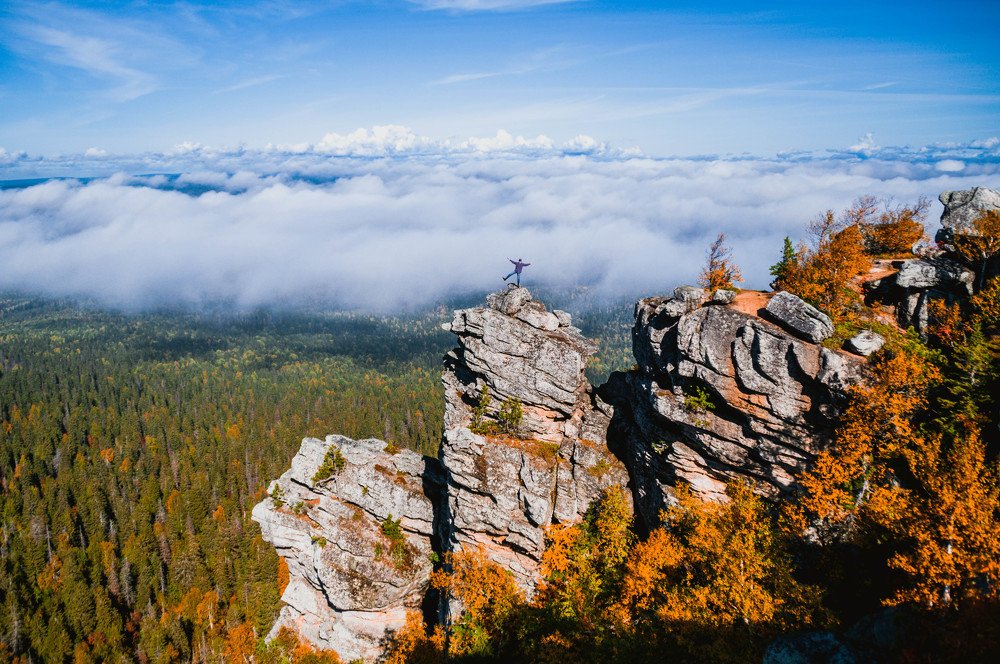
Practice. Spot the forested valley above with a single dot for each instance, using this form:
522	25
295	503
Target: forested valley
132	448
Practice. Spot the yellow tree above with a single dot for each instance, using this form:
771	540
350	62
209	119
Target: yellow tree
411	644
949	524
823	273
876	427
888	230
716	579
720	270
489	598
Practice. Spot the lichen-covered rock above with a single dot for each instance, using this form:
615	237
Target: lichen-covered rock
799	317
865	343
350	581
718	394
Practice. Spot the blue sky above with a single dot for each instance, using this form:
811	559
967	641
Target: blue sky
671	78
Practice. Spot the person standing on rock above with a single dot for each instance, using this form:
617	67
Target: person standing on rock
518	266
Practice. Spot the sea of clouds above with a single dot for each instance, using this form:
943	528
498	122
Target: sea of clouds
384	219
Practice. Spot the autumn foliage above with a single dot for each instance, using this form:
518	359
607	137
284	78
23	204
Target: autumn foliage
821	273
720	270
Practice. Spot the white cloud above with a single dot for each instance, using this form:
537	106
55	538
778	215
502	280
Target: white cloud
95	152
381	140
279	227
950	165
865	144
98	57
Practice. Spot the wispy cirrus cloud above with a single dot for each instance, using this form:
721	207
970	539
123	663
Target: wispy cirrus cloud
485	5
98	57
250	83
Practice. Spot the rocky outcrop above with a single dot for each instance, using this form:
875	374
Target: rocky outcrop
917	282
358	542
502	491
961	208
942	275
359	535
719	393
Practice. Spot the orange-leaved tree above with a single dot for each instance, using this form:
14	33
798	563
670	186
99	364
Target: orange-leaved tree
490	601
720	270
823	272
948	525
888	229
715	582
877	426
412	644
582	570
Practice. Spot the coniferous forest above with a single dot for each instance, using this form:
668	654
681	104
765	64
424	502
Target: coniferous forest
132	448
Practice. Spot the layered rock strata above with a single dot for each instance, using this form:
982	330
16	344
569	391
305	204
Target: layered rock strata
719	393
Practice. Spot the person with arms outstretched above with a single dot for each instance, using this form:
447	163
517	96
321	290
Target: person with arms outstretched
518	266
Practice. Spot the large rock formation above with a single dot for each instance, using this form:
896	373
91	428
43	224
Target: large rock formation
357	539
718	392
359	536
503	491
911	285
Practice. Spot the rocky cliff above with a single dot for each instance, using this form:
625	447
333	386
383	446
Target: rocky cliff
354	521
359	522
502	490
725	386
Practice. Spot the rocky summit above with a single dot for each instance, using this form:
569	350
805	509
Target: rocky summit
503	490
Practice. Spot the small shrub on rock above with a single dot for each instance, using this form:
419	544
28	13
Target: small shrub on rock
333	463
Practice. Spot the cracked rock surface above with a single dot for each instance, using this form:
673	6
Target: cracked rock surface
718	394
346	586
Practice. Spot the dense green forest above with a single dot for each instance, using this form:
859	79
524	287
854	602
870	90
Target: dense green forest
132	448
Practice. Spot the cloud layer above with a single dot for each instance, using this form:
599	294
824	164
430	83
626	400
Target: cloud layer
383	219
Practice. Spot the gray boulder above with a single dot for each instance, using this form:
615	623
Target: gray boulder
962	207
865	343
723	296
799	317
938	273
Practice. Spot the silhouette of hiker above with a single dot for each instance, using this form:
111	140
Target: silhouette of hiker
518	266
